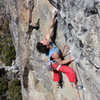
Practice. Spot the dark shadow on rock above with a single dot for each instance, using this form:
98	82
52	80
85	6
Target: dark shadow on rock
54	3
70	26
2	72
90	11
28	67
98	72
55	32
61	80
36	27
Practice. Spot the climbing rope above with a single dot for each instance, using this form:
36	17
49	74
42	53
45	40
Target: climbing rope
65	46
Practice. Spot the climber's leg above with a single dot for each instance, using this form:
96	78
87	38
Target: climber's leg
65	69
56	76
70	73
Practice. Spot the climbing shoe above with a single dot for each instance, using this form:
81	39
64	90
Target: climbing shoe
80	87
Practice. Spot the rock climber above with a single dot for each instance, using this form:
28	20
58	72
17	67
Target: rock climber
58	64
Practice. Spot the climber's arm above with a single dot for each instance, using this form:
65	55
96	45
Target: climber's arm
57	58
49	34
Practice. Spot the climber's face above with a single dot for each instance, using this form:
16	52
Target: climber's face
44	42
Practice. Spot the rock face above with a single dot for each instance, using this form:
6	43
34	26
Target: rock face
10	72
78	26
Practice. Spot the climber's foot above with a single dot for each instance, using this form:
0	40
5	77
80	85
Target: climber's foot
73	85
57	85
78	87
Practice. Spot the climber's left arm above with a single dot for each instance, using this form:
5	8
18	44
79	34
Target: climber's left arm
57	58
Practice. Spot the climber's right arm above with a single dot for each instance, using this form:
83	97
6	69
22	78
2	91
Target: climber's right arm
50	30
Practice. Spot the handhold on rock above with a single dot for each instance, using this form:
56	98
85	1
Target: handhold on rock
98	72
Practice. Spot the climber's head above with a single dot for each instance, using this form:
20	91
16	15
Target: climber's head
45	42
43	47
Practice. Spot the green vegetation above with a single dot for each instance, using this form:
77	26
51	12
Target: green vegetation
7	50
10	89
15	90
3	86
5	26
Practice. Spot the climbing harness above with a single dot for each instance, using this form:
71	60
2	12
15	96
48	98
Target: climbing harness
58	67
49	66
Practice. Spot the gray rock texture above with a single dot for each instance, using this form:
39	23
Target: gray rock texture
78	27
10	72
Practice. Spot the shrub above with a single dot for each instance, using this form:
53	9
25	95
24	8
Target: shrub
3	86
5	25
7	50
14	87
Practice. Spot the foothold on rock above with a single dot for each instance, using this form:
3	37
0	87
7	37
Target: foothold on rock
83	29
90	11
81	44
70	26
98	72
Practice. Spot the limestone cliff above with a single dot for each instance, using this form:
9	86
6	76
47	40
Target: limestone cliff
78	26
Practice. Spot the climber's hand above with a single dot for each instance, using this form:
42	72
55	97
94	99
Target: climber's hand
72	59
54	13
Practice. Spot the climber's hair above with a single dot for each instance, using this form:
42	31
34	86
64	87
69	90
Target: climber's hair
42	48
